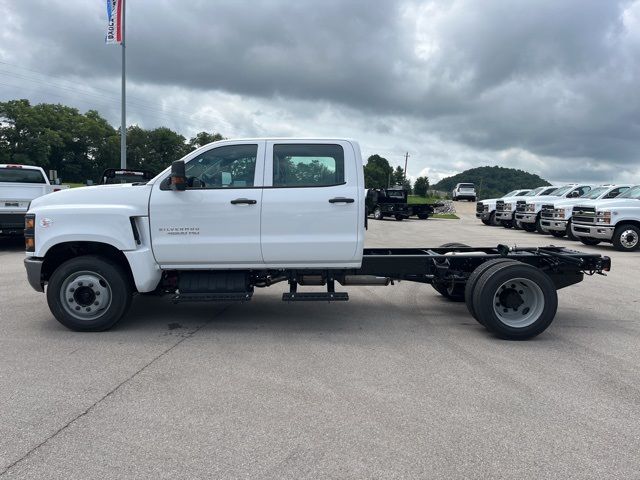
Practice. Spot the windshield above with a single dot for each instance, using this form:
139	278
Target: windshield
633	192
534	192
395	193
466	185
562	190
595	193
21	175
523	193
512	194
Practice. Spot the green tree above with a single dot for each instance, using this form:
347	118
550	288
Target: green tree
421	186
398	176
203	138
377	172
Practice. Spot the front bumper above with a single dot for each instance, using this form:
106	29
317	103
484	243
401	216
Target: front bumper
526	217
506	216
600	232
34	273
555	225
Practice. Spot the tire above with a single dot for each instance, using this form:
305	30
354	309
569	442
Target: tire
528	227
589	241
377	213
539	227
557	234
399	218
486	222
506	223
517	225
515	301
626	238
453	292
423	216
569	232
492	220
80	285
473	280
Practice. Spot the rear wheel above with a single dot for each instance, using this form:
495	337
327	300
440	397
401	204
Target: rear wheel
399	218
589	240
423	216
377	213
626	238
473	280
450	290
515	301
89	293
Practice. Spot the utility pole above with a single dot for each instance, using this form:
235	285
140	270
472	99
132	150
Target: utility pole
123	121
406	158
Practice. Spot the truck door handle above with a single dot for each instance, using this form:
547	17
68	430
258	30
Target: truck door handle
341	200
246	201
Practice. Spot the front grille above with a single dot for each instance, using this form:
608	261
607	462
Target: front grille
547	211
520	206
12	220
584	214
479	207
499	205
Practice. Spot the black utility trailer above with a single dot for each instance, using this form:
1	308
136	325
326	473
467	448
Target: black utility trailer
392	202
511	291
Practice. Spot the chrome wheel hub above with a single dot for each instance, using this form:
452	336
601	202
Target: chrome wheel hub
85	295
629	239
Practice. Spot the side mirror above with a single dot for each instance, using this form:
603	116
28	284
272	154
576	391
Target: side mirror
178	179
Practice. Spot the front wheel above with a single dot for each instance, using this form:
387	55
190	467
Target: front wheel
515	301
423	216
89	293
626	238
589	241
528	227
377	213
557	234
399	218
506	223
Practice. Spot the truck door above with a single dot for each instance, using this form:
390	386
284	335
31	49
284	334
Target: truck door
313	205
215	222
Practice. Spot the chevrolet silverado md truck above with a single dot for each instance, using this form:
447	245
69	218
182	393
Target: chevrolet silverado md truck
19	185
235	216
486	209
506	207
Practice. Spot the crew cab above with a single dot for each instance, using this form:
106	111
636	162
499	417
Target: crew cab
486	209
464	191
237	215
19	185
528	212
506	207
556	217
615	221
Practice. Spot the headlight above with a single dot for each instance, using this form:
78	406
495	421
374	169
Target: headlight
530	207
559	213
603	217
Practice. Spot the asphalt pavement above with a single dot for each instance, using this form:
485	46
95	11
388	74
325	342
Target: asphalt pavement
396	383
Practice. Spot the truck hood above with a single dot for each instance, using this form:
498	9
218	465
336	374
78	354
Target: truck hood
545	199
611	203
136	197
570	202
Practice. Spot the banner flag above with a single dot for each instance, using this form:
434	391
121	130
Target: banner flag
114	22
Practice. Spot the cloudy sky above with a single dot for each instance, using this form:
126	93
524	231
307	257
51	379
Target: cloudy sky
545	85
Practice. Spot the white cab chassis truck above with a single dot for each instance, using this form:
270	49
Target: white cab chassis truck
237	215
486	209
506	207
556	217
615	221
19	185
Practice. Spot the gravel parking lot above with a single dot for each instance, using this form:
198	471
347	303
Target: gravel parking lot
396	383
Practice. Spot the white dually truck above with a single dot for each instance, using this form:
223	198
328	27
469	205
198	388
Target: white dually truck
237	215
486	209
615	221
19	185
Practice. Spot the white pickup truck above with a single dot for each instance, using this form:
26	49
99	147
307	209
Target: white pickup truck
506	207
19	185
615	221
555	217
233	216
486	209
528	212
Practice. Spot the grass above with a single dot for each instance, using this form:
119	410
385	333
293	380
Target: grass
74	185
447	216
417	200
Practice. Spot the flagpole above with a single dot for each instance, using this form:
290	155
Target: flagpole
123	121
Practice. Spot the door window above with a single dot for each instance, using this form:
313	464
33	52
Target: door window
301	165
231	166
616	191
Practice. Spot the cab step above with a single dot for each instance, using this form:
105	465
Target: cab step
212	297
315	297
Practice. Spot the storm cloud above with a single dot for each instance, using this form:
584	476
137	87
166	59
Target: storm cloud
548	86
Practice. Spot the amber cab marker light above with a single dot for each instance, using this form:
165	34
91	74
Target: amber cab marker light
30	223
30	244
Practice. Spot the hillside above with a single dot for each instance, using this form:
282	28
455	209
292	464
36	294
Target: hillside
492	182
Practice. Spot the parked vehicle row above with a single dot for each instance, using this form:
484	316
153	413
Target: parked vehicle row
588	213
